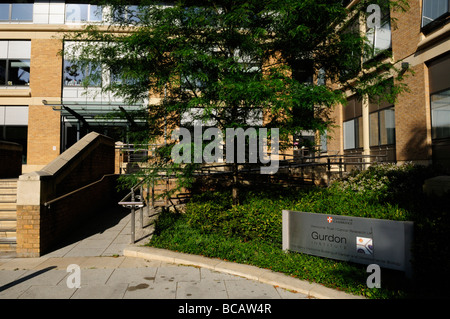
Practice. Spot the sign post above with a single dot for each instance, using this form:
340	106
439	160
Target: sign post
386	243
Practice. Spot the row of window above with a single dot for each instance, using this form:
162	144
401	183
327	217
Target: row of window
74	13
432	11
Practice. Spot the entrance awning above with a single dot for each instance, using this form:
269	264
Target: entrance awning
95	114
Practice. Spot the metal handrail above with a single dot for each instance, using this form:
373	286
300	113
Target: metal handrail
76	191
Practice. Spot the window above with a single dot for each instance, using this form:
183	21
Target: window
440	114
82	12
324	142
353	123
440	96
382	127
434	11
127	14
75	75
16	12
15	63
379	38
14	126
353	137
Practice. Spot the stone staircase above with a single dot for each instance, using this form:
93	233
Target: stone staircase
8	215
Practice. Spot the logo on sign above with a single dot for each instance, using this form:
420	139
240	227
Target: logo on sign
330	219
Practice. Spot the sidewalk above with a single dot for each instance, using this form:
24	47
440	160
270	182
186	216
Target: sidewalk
112	268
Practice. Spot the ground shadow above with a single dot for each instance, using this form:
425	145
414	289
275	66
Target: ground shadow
98	223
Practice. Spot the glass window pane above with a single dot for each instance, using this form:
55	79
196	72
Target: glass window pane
359	131
2	72
19	72
95	75
76	12
440	114
389	127
349	134
73	76
383	37
95	13
22	12
373	127
433	9
4	11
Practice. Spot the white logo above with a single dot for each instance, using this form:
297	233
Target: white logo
74	279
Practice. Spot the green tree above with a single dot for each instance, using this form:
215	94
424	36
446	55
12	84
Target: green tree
229	59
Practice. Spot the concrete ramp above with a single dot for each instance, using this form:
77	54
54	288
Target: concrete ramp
57	199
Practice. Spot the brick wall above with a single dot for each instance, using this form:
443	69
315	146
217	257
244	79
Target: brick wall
412	134
74	178
45	83
406	30
413	140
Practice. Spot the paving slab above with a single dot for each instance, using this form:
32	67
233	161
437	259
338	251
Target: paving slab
250	289
132	276
205	289
152	290
46	292
116	291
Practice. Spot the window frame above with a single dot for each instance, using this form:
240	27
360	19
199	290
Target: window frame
89	13
357	138
10	14
85	73
378	128
374	52
8	69
439	20
433	129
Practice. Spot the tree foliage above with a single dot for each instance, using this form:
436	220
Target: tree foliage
232	59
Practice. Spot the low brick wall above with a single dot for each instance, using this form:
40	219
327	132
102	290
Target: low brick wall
54	201
10	159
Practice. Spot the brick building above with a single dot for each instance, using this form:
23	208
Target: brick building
417	127
44	107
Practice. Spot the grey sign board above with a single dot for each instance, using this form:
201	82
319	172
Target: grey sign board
386	243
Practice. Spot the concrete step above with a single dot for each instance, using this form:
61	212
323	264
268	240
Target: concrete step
7	245
5	183
8	198
8	215
5	233
8	206
8	190
8	224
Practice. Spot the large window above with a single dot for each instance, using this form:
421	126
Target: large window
14	126
438	72
440	114
128	14
15	63
353	125
16	12
382	127
353	134
434	10
83	12
380	37
75	75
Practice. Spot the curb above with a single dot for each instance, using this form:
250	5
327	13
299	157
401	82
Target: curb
266	276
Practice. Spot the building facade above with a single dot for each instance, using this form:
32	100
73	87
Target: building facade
44	107
416	128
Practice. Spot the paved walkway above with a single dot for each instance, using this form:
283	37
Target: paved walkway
109	267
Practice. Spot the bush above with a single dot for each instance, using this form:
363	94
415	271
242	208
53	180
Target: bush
252	231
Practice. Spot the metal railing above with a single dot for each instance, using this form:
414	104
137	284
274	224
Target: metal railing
136	201
339	162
